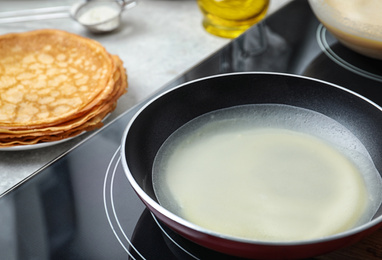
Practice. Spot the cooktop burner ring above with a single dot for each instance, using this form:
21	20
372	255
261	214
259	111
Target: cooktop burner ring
113	169
108	200
322	39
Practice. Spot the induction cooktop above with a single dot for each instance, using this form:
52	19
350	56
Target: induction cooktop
81	205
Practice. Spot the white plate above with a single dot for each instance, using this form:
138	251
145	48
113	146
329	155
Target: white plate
36	146
43	145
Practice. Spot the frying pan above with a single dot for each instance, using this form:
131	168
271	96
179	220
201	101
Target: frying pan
164	114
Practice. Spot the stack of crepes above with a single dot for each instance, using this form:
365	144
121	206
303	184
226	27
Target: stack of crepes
55	85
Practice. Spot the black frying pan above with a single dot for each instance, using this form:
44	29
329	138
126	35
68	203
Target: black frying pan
164	114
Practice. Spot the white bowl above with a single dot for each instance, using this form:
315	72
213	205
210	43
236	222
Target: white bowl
357	24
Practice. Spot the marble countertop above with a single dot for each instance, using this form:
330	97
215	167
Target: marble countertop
158	40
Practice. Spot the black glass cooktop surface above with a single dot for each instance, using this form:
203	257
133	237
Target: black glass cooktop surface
81	206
